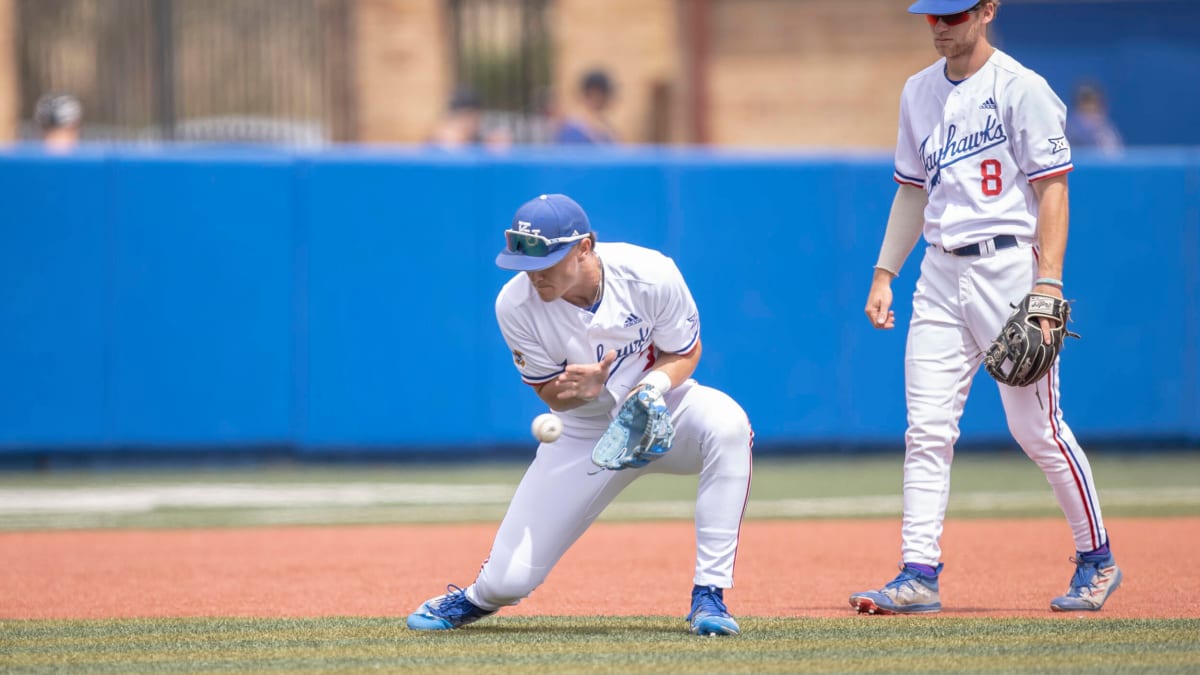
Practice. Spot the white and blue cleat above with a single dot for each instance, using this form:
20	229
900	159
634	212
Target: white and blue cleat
709	615
446	612
911	592
1095	578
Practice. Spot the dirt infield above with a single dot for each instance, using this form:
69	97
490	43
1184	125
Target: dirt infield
784	568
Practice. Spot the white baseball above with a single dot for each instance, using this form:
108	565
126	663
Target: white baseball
546	427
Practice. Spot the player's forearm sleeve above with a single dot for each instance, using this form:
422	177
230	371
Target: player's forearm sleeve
904	226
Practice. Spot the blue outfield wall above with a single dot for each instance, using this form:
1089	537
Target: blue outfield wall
1136	51
342	302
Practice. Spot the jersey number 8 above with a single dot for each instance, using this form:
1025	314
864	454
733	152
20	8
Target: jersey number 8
989	170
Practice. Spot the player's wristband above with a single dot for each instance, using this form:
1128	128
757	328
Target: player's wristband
1048	281
657	379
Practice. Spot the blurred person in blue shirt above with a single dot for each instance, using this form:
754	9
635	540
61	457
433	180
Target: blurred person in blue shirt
463	126
590	125
1088	124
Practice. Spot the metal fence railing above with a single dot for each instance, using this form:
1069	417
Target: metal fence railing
211	70
502	49
258	70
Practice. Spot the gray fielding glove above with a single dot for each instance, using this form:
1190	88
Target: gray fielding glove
1018	357
640	434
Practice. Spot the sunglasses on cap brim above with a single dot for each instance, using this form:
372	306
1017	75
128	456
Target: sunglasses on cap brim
536	245
952	19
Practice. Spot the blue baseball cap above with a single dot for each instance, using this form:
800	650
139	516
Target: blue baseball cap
941	7
543	231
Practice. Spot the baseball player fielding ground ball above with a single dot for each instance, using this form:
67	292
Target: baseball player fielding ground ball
982	164
608	335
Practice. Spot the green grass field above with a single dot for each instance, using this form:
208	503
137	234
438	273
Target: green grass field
609	644
984	485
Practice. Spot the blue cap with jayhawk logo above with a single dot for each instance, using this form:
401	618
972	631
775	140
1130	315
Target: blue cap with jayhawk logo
941	7
553	217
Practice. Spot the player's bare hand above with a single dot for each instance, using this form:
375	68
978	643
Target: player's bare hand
1045	323
879	301
585	381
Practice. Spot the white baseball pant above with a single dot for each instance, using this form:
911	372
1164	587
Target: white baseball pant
562	493
959	306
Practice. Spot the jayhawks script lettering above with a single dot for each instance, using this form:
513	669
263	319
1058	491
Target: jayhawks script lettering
956	148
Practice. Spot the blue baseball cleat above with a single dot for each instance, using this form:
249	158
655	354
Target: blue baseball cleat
1095	578
709	615
911	592
445	612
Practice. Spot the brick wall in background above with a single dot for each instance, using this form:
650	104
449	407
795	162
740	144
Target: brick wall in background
814	73
779	72
403	74
637	41
9	112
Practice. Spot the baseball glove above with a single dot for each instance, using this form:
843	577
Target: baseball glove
1019	357
640	434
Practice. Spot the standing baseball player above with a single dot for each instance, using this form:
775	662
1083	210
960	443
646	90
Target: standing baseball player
982	164
590	326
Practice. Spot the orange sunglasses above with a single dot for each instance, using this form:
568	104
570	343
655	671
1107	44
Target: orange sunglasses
952	19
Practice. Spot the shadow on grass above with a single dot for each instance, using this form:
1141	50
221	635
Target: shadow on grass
600	627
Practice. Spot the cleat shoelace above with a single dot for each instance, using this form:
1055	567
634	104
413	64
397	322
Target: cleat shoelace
708	602
1087	573
454	606
904	580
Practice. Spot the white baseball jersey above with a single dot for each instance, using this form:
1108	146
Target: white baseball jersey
975	146
646	309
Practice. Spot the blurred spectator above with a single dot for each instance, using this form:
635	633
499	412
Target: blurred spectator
590	124
1088	124
58	118
462	124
